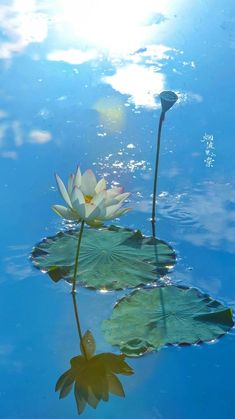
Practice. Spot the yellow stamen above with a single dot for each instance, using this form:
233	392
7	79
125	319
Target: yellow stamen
88	198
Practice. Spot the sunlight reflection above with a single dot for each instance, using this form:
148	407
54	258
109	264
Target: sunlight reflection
114	26
111	112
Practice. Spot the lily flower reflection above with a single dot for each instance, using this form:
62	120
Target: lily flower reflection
93	376
88	200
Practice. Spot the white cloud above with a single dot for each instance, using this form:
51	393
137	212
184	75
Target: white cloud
141	83
72	56
9	155
3	114
22	24
189	97
40	136
206	216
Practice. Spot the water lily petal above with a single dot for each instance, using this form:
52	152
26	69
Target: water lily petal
91	399
122	197
80	209
111	201
118	213
92	212
77	178
70	184
77	195
66	387
89	183
88	200
63	190
66	213
117	199
101	186
114	192
80	401
62	380
115	211
99	198
112	208
115	386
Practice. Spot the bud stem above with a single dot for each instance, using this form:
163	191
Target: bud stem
153	218
76	258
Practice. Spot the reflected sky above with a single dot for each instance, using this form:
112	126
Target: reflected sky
30	21
79	85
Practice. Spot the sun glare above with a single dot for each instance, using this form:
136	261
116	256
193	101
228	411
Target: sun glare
110	25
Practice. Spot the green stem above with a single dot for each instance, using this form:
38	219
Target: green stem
78	324
153	218
76	258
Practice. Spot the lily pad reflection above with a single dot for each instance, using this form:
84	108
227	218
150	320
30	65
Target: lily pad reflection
110	258
148	319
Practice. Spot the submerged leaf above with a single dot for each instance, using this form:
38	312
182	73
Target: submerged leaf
110	258
149	319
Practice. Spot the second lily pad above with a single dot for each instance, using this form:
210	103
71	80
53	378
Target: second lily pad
148	319
110	258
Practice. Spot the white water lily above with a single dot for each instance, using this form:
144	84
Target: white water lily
88	200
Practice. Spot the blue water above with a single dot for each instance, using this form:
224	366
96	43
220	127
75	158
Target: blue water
79	85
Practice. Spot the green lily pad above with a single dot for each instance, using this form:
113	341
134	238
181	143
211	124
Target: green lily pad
110	258
148	319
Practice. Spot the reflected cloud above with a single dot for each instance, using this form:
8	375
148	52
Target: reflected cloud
190	97
3	129
72	56
22	24
17	271
95	29
153	54
205	215
187	277
15	265
228	26
12	136
39	136
18	133
98	24
6	349
3	114
141	83
6	352
143	77
9	155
